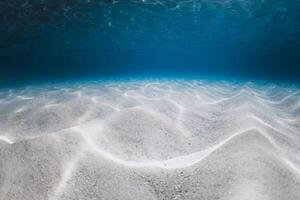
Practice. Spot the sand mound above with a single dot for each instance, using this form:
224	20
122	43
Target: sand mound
150	140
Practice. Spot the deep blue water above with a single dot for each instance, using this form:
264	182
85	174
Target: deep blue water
48	40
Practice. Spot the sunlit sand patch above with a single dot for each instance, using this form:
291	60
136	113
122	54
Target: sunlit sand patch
151	129
6	139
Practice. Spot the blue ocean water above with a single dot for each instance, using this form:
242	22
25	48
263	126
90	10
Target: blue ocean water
49	40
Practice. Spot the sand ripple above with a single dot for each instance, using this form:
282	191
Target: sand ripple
156	139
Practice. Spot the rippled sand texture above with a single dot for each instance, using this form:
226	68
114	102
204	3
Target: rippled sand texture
150	140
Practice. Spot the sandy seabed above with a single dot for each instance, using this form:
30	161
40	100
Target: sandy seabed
150	140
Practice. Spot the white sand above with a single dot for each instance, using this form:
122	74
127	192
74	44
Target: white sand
150	140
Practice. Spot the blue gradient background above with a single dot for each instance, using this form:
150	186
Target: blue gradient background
70	40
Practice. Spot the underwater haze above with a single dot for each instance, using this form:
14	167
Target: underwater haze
149	99
46	40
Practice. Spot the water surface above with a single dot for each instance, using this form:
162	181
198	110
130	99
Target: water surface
49	39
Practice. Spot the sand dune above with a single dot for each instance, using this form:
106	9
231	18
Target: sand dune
156	139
